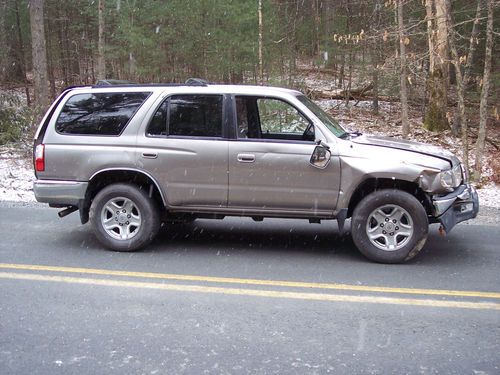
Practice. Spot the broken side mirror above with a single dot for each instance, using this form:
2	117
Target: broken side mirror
320	157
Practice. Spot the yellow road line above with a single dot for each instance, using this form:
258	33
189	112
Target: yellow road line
228	280
253	292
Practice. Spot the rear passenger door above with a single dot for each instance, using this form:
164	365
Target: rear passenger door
185	149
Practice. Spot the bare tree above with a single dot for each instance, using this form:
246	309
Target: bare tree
462	79
457	122
39	52
3	40
101	62
261	67
402	70
375	50
435	117
316	19
460	86
483	106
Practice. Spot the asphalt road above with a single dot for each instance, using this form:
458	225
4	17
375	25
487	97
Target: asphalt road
238	297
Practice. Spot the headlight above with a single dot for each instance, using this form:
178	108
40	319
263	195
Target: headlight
446	179
451	178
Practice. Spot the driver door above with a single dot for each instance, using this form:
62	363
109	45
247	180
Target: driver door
269	168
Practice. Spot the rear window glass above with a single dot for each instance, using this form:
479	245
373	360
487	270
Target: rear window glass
100	113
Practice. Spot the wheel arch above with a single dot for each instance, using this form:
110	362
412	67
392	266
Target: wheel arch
371	185
105	177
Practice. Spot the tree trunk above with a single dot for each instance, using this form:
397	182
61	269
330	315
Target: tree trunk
375	75
460	82
51	75
429	15
442	45
101	62
435	117
3	41
375	59
483	106
22	55
402	66
39	52
457	124
472	43
316	19
261	66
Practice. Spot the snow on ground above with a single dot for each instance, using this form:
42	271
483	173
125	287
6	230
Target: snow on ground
489	196
16	181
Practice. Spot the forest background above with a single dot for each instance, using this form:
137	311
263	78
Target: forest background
421	69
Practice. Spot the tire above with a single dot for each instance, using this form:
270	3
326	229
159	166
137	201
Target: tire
124	218
389	226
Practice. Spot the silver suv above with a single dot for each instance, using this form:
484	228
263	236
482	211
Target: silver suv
128	157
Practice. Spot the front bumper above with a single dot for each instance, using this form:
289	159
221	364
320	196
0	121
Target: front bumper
60	193
458	206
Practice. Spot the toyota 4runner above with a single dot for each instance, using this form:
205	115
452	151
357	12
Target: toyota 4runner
128	157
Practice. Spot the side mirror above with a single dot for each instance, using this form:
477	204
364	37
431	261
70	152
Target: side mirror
320	157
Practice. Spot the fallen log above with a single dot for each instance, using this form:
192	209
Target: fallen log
305	69
352	94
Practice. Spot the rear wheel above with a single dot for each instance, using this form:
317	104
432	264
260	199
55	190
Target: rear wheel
389	226
124	218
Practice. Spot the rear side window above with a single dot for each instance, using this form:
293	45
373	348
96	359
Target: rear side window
189	116
100	113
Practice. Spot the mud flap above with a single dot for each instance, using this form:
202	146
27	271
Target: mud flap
341	216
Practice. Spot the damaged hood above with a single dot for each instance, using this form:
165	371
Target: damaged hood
401	144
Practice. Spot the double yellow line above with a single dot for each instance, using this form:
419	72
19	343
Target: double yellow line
378	299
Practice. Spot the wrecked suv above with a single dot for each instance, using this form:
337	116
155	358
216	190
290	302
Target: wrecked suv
128	157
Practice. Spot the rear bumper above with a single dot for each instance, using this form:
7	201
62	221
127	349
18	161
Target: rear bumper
458	206
64	193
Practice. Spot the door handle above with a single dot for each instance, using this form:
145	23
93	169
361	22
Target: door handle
149	155
246	158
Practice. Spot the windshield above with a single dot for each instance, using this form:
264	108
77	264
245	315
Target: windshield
325	118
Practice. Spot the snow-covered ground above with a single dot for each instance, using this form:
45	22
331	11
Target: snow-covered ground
16	180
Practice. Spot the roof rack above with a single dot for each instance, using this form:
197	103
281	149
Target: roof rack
196	82
123	83
113	82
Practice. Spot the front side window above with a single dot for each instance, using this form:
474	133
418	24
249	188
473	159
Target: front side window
277	116
189	116
270	118
99	113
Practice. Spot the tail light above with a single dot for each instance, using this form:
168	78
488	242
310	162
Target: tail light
40	158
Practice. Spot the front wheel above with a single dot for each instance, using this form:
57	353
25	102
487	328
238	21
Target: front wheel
389	226
124	218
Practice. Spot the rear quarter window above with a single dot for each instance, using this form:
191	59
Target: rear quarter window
99	113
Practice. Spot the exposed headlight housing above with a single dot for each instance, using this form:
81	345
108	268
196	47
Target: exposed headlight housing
465	173
457	175
452	178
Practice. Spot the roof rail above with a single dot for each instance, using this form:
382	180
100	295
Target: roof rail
112	82
196	82
125	83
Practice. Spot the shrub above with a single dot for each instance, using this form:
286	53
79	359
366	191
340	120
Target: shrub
15	118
